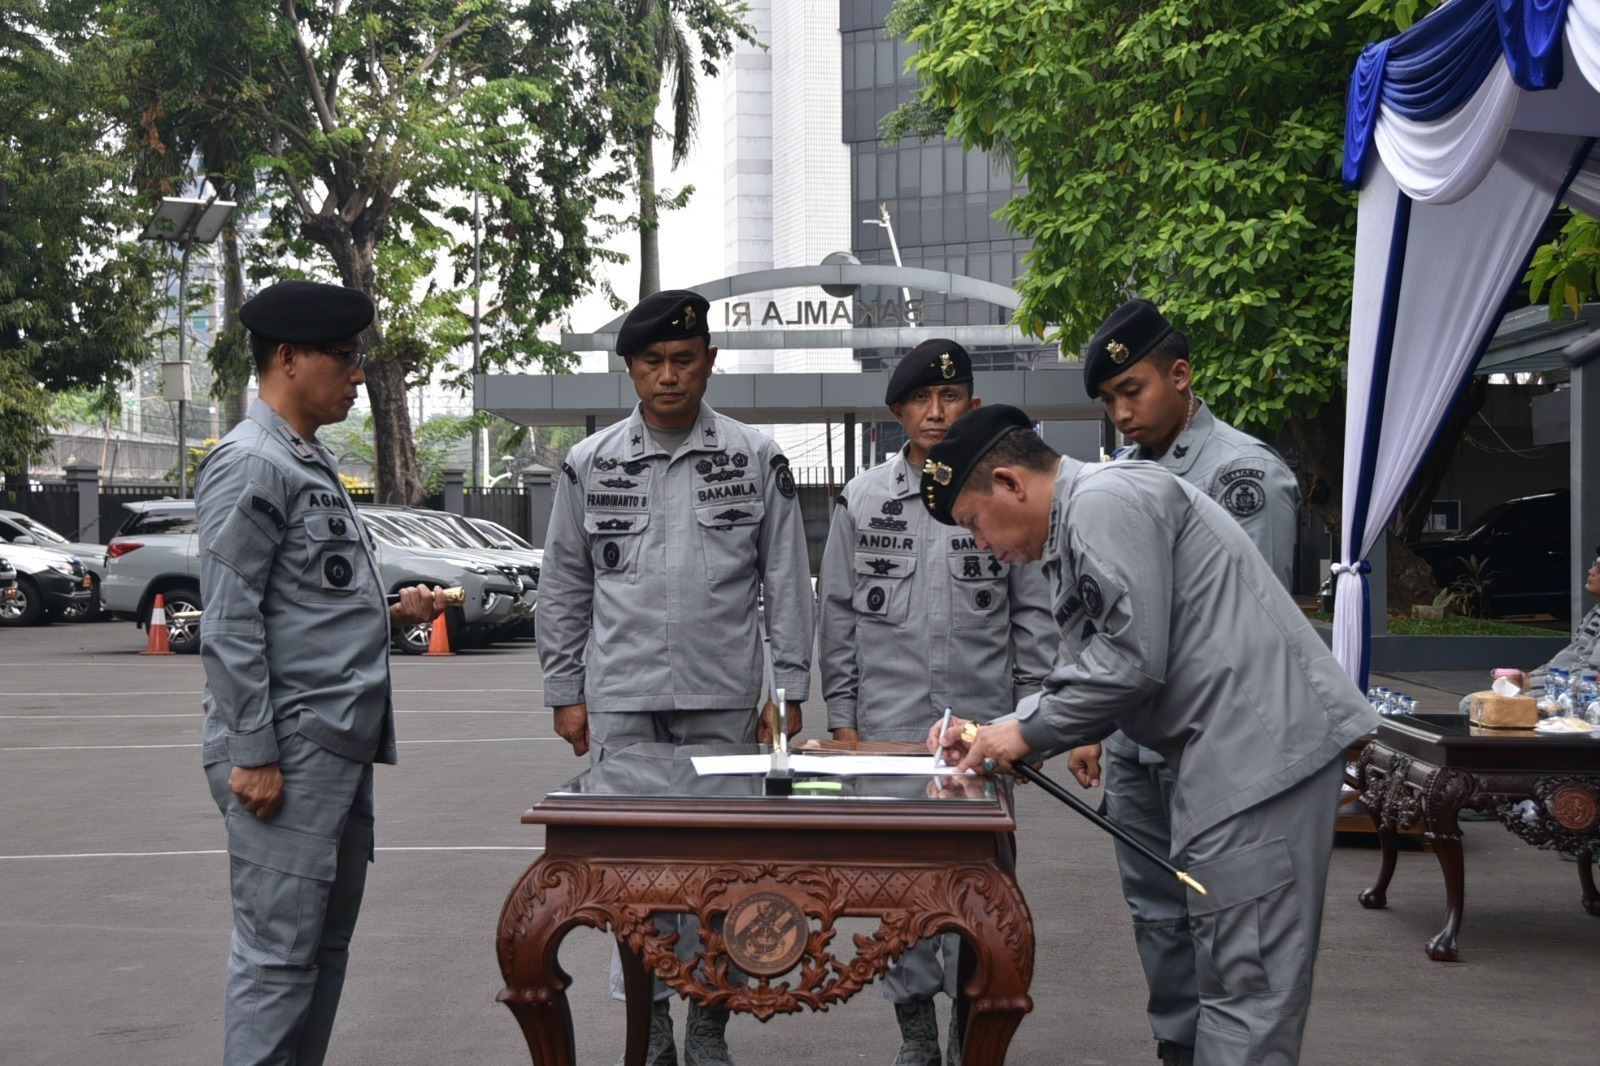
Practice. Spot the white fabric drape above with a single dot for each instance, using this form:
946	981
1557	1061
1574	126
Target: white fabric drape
1443	160
1461	259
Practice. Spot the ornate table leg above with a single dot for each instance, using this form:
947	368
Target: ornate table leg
1375	783
639	986
543	906
1445	791
1591	900
999	931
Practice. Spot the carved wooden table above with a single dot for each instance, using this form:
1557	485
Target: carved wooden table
767	877
1423	769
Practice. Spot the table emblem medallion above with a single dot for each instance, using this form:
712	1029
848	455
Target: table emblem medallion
765	933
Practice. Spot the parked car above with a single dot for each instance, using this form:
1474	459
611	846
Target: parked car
497	596
157	550
18	528
1523	556
501	537
50	585
441	529
8	576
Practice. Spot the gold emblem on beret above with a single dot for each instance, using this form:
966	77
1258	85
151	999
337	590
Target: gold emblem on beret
1117	351
946	368
688	316
941	473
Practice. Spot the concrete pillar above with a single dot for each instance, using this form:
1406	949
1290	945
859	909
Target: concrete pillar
539	489
85	477
1584	469
849	446
455	496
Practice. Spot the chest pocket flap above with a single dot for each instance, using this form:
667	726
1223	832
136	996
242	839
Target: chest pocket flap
334	566
614	538
883	588
728	532
725	516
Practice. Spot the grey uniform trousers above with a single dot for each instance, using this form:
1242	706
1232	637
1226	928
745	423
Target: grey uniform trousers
297	881
612	731
1138	796
1257	929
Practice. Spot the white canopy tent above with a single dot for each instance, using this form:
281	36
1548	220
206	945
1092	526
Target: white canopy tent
1462	134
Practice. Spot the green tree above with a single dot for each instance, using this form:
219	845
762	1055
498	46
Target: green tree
1184	151
372	125
75	295
665	58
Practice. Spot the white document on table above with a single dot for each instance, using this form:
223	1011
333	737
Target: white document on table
840	765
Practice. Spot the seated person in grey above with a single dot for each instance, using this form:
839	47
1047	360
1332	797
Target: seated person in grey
1579	655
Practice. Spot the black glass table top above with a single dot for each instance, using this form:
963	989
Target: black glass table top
667	772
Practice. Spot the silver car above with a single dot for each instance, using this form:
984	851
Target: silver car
497	594
50	586
452	532
18	528
157	551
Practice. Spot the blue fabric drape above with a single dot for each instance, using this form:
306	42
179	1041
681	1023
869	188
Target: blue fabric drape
1357	523
1530	34
1434	67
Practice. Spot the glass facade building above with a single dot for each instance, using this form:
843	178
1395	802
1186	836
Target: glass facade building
940	198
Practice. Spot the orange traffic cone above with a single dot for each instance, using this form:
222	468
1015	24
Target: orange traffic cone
439	638
157	643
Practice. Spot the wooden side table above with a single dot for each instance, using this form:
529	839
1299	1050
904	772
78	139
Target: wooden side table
1421	770
767	878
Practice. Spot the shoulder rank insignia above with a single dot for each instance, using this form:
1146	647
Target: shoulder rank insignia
572	475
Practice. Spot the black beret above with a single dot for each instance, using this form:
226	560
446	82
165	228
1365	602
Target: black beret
969	439
1125	337
307	312
935	362
669	315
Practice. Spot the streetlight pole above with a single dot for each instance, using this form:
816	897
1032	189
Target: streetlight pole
480	437
894	246
185	221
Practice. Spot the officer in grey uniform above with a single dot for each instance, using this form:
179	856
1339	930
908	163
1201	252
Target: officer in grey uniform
1137	365
1181	636
295	644
913	618
1575	657
664	528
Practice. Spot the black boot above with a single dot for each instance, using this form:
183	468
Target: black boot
1171	1054
660	1051
919	1034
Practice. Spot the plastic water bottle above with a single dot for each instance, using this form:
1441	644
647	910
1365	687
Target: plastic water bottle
1555	686
1571	702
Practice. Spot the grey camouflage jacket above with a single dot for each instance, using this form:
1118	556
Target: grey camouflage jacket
913	618
652	564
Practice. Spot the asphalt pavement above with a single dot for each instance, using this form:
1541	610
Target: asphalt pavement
114	910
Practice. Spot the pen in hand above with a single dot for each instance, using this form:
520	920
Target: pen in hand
938	756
